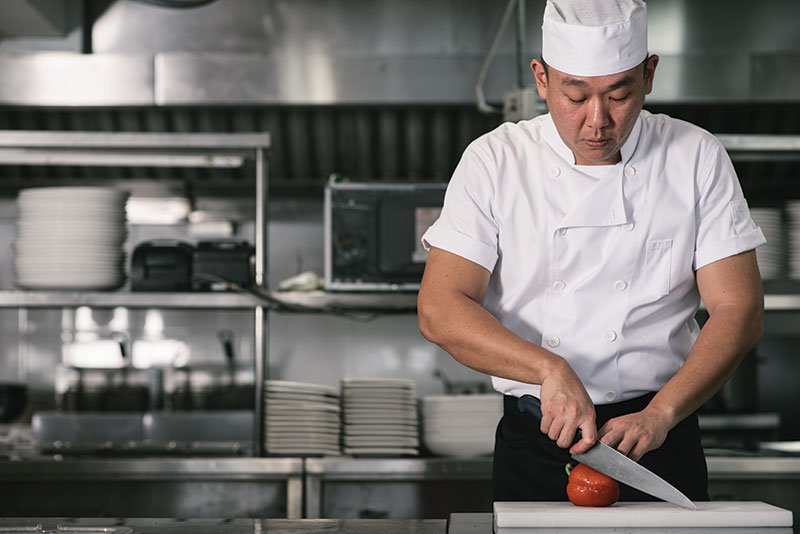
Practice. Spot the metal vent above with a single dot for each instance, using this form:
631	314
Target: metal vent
393	143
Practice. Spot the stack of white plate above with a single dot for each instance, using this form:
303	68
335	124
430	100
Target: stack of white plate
301	419
380	417
460	425
70	238
793	238
770	254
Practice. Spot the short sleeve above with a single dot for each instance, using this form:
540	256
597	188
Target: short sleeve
723	223
467	226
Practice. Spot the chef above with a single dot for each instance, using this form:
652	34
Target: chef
571	256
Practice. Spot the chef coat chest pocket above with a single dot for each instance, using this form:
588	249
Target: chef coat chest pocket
658	266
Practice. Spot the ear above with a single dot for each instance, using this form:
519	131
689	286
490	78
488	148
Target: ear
649	73
540	75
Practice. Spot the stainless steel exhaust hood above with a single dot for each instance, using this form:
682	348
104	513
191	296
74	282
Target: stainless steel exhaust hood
306	52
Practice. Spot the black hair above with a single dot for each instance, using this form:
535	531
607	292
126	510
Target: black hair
547	67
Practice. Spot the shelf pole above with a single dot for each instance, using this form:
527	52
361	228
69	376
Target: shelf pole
260	316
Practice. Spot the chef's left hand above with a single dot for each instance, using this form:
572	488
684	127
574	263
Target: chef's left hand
635	434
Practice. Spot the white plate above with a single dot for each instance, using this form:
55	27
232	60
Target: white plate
301	441
377	383
287	405
324	427
302	387
397	411
307	417
381	451
300	396
357	441
305	451
310	432
375	430
382	405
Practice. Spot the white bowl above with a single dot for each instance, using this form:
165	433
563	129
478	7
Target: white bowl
459	447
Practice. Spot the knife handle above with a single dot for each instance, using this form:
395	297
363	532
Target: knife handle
532	405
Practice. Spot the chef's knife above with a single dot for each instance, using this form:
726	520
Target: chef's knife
616	465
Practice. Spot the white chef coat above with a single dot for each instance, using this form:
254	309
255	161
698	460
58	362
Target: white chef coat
597	263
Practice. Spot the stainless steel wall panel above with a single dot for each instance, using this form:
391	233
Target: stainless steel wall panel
221	78
776	77
306	52
66	79
702	78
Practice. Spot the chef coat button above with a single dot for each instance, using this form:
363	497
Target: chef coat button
558	285
610	396
553	341
610	336
630	172
620	285
553	171
628	227
562	231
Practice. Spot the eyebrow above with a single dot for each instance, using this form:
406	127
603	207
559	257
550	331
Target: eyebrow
575	82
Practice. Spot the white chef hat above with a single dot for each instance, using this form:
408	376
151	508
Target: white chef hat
594	37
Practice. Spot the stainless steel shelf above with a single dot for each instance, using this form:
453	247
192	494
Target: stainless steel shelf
760	142
131	140
87	157
20	147
326	301
298	301
781	302
134	149
152	468
125	299
348	468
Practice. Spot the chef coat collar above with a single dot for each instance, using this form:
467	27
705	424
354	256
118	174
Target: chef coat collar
604	203
557	144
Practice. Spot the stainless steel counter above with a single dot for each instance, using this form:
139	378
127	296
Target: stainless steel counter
244	526
168	487
340	487
435	487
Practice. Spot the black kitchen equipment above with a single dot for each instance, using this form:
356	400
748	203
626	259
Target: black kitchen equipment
161	265
462	387
218	387
13	401
373	231
740	393
216	262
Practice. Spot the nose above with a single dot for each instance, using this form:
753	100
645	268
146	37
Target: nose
597	114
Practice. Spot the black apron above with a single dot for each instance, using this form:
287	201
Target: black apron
529	466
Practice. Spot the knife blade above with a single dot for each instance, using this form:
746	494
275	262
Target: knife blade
612	463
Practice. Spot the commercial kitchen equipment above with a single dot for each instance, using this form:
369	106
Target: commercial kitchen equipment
373	231
245	151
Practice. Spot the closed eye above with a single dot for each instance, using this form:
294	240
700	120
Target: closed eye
620	99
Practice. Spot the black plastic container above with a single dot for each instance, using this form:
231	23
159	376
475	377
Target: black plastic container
13	401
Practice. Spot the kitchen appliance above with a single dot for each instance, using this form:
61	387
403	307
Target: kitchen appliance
212	385
13	401
611	462
373	231
215	263
122	389
161	265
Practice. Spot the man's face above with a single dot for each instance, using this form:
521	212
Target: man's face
595	114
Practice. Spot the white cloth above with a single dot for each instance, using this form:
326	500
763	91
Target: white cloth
597	263
594	38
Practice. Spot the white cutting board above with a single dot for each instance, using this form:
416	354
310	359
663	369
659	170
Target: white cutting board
514	515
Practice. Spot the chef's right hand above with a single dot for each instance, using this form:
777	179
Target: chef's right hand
567	407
